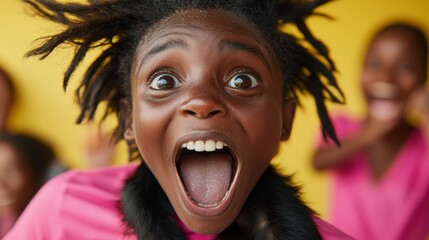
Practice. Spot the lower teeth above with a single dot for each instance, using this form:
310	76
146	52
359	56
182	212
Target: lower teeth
211	204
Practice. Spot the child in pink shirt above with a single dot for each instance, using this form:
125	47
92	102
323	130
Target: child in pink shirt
380	181
202	91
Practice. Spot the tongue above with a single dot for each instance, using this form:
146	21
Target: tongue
206	176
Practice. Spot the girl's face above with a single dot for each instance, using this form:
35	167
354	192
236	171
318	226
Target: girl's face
207	113
12	176
393	69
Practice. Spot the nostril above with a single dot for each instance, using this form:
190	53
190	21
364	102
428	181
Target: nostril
202	113
189	112
202	108
214	113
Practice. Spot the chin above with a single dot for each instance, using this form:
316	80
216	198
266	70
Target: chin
207	227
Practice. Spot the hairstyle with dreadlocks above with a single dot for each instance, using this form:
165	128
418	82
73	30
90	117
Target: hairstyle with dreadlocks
118	26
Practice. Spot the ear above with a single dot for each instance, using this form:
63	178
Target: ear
289	108
128	119
129	134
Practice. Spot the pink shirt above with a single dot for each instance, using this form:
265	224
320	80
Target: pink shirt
396	207
7	220
82	205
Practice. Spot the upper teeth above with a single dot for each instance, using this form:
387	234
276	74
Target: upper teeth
201	146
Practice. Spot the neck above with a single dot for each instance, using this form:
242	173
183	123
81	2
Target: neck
384	152
400	132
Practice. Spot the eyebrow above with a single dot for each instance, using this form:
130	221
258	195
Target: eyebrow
164	47
225	45
239	46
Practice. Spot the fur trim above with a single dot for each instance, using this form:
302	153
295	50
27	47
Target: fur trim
272	211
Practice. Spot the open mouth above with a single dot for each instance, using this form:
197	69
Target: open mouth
207	169
384	101
383	91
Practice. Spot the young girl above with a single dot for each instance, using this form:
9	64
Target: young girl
24	161
381	172
202	91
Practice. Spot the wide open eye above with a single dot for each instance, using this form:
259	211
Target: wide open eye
243	81
164	81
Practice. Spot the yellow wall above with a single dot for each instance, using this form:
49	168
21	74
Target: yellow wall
44	109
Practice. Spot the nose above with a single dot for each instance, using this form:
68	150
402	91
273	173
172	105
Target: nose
387	74
203	106
3	181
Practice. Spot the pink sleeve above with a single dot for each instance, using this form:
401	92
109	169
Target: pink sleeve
40	219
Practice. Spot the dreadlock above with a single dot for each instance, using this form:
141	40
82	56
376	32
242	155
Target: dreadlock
117	26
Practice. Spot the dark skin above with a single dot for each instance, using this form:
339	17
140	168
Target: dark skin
16	183
393	79
199	76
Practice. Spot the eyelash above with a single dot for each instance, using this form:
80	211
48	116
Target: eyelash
159	71
245	70
240	70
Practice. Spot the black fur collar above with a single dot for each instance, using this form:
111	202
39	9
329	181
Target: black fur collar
272	211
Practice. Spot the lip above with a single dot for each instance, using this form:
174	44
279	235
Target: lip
383	91
222	206
392	99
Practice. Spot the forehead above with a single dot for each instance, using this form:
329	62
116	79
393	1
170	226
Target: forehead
221	23
395	40
218	20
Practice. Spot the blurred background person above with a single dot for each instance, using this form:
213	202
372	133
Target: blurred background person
98	149
7	97
380	174
24	162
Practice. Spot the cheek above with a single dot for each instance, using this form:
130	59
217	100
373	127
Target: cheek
409	82
264	127
366	79
367	76
150	123
15	182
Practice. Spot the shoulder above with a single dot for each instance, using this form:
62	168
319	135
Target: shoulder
91	191
65	200
329	232
75	183
111	176
345	121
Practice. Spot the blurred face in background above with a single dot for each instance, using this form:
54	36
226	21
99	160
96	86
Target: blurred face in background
393	69
14	185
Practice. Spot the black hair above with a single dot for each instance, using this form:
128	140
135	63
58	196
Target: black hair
117	26
35	154
412	30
